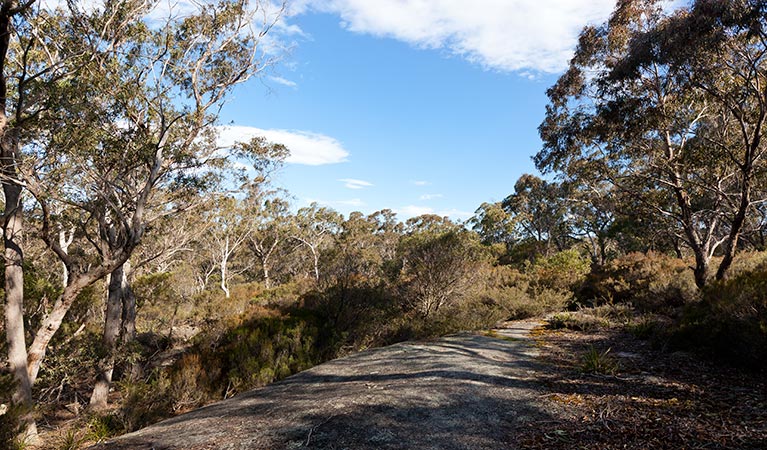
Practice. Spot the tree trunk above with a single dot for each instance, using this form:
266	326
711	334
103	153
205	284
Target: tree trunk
265	270
100	395
701	268
128	332
731	245
13	254
316	257
14	304
64	242
52	321
223	278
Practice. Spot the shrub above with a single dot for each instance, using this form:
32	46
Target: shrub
518	295
594	361
145	401
242	355
562	271
730	321
102	427
577	321
9	413
652	282
439	270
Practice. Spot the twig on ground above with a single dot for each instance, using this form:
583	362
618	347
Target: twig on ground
309	436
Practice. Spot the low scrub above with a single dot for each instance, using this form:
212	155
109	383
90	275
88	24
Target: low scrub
730	322
651	281
516	295
577	321
598	362
9	414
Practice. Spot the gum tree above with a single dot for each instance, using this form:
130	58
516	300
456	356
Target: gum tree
135	119
670	109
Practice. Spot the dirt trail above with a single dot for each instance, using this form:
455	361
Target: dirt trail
465	391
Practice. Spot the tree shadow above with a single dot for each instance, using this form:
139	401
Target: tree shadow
461	392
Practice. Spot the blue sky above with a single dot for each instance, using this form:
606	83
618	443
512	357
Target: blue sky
416	106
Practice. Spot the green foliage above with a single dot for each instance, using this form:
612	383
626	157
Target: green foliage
730	322
439	269
70	365
145	401
224	361
645	327
562	271
102	427
9	413
594	361
72	439
544	287
213	306
86	430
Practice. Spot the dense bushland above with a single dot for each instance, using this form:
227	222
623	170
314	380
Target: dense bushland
195	347
141	283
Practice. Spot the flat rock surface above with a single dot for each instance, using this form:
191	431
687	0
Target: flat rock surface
466	391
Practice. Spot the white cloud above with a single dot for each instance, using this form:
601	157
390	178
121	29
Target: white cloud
283	81
409	211
413	210
430	196
305	147
506	35
354	202
351	183
420	183
456	214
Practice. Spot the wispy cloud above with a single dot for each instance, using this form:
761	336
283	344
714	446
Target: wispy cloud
420	183
430	196
283	81
506	35
305	147
409	211
354	202
456	214
351	183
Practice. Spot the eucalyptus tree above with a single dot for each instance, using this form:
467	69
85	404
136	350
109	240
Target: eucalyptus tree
268	227
228	235
353	258
592	207
20	69
136	119
670	108
493	224
539	212
314	227
440	265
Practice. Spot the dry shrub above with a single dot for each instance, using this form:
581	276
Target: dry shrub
145	401
189	383
516	295
731	320
562	271
651	281
287	295
212	306
578	321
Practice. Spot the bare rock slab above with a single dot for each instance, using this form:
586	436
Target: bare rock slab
466	391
